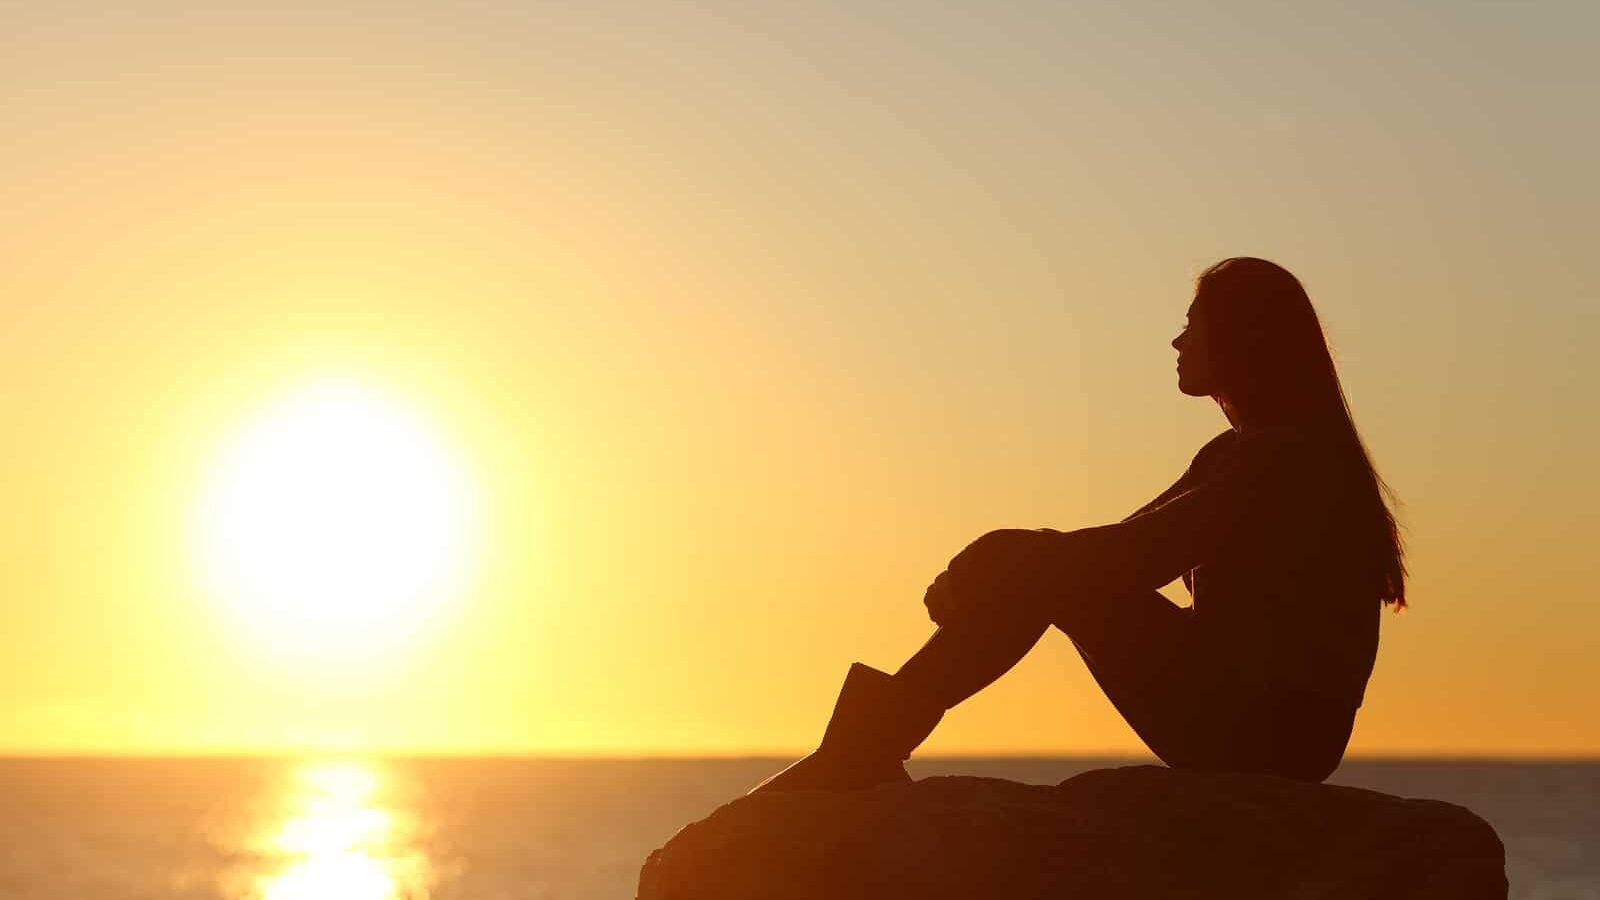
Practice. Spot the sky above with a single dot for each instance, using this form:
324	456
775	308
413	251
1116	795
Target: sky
738	320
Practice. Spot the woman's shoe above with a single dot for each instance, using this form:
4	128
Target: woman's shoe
876	723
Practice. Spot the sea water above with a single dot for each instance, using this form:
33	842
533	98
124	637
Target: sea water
562	829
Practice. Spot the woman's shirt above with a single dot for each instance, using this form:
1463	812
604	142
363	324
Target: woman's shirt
1285	600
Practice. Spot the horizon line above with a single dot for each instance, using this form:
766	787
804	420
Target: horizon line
666	756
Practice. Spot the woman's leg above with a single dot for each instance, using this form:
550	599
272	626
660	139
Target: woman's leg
1185	696
968	654
1138	646
1145	653
879	719
1172	687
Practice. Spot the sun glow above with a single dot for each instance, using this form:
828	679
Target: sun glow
336	522
341	844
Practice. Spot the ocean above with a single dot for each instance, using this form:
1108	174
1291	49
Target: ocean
554	829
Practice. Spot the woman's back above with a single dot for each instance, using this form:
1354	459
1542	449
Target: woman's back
1287	604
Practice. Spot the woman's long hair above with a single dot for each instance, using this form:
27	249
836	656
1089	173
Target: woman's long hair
1272	365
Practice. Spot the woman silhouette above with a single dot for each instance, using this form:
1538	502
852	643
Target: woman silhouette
1278	528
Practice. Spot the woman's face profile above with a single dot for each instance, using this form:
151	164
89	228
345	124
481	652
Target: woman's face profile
1195	376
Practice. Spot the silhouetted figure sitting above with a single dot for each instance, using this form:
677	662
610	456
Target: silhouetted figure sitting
1279	529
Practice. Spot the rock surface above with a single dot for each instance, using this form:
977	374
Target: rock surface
1134	832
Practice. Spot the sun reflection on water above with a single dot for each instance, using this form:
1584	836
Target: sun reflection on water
341	843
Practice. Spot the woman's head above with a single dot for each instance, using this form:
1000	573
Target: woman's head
1254	342
1264	355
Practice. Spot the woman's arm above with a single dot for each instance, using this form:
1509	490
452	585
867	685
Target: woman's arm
1149	549
1203	460
1183	483
1190	478
1145	551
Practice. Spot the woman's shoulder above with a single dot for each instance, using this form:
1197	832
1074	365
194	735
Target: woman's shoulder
1213	451
1294	457
1300	454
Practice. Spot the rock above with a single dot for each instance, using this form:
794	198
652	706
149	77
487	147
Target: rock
1126	833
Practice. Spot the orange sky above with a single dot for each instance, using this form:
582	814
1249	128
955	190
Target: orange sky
742	319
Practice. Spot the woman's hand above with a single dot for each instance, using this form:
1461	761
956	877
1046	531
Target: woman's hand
940	599
999	561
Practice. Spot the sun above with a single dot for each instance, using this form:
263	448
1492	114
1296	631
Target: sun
336	521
